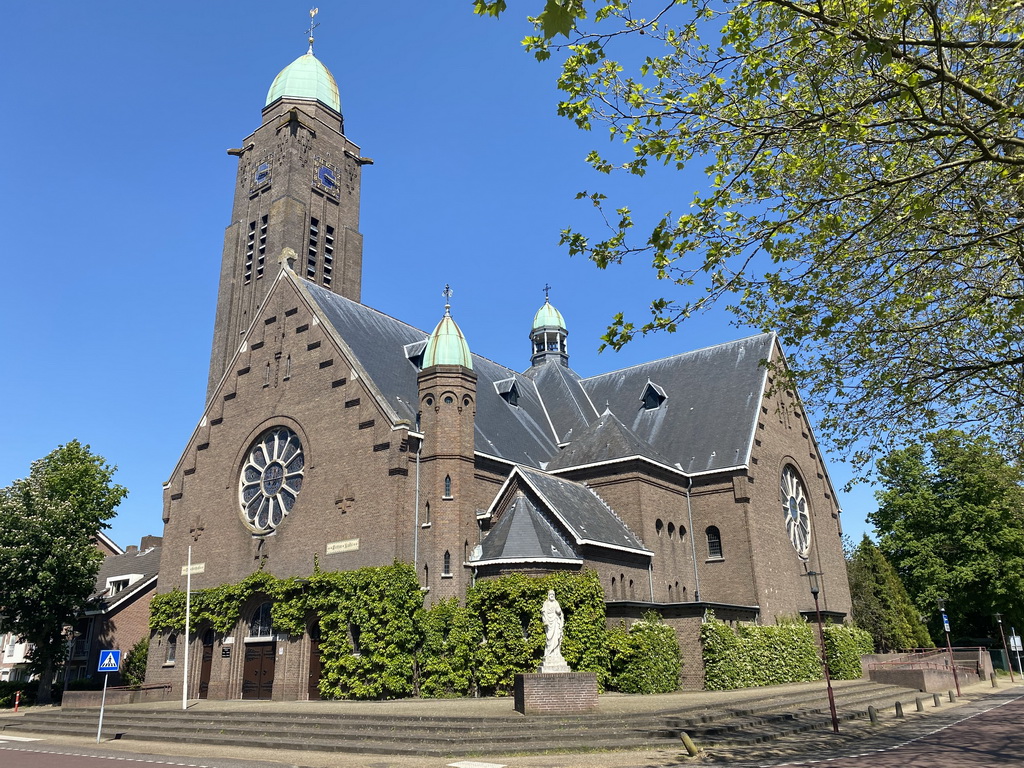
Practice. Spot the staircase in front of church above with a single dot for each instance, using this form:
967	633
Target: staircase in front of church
332	729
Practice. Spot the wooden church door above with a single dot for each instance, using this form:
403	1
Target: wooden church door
258	671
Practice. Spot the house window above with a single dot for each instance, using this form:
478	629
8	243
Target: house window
714	543
117	585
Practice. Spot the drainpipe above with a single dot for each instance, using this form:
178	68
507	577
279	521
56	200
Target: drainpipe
416	513
650	577
693	545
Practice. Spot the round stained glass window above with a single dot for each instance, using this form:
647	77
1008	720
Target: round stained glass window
270	480
795	511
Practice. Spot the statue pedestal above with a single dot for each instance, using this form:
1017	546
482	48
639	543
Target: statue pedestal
555	693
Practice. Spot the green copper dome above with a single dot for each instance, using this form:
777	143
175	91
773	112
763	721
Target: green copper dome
306	78
447	345
548	317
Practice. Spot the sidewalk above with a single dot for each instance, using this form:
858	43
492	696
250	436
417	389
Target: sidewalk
820	743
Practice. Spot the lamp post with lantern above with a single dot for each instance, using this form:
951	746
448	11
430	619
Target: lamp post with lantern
815	589
1002	635
949	648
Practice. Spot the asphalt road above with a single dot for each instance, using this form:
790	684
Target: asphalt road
985	734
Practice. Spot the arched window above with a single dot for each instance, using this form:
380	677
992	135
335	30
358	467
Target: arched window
671	530
612	595
658	526
260	625
426	511
670	593
426	576
447	486
172	648
447	564
714	542
622	585
632	594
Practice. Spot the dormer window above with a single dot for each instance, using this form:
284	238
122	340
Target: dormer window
414	352
509	391
653	396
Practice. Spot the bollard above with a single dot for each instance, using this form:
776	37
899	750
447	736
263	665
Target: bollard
873	715
952	697
899	709
992	677
920	704
17	700
937	700
691	750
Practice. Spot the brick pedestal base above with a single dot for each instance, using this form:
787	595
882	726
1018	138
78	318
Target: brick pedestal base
553	694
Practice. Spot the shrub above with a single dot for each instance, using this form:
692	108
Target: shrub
844	645
645	658
133	670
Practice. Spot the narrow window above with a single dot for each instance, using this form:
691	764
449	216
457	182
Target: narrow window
172	648
426	514
714	542
288	367
426	576
447	564
250	249
671	530
260	624
313	248
447	486
658	526
261	250
266	375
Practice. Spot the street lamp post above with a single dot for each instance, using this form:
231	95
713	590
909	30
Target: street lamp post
815	588
949	647
999	619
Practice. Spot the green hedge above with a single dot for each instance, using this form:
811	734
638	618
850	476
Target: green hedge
645	657
771	655
844	645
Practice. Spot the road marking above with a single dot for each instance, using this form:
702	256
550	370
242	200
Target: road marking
474	764
17	738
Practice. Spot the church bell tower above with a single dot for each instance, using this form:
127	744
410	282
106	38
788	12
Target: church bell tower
298	188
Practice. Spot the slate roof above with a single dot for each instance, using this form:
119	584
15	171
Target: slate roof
583	513
705	423
712	398
607	439
146	563
525	534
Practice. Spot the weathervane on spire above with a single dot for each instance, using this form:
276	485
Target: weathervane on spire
447	293
312	12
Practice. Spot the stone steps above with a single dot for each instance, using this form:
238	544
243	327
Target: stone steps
755	720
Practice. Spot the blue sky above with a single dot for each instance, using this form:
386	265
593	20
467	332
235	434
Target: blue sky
116	189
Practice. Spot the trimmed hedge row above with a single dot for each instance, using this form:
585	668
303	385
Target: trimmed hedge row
788	652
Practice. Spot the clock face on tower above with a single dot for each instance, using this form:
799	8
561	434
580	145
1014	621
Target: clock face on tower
270	480
795	511
326	177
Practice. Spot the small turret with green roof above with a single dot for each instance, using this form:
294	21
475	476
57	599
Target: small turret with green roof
548	334
447	345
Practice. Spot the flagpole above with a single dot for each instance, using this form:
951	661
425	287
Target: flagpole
188	610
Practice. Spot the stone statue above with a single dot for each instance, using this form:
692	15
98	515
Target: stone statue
554	622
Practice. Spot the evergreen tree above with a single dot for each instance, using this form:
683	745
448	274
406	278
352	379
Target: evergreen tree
49	523
881	605
950	519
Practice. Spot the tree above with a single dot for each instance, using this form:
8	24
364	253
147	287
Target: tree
864	167
881	605
49	522
950	519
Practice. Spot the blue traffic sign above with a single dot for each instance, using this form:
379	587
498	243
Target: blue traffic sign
110	661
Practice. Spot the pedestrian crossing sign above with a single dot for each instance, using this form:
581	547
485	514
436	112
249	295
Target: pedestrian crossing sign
110	661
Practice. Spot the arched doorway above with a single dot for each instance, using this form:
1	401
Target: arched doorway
258	669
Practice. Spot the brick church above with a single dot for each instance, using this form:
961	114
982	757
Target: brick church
337	434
